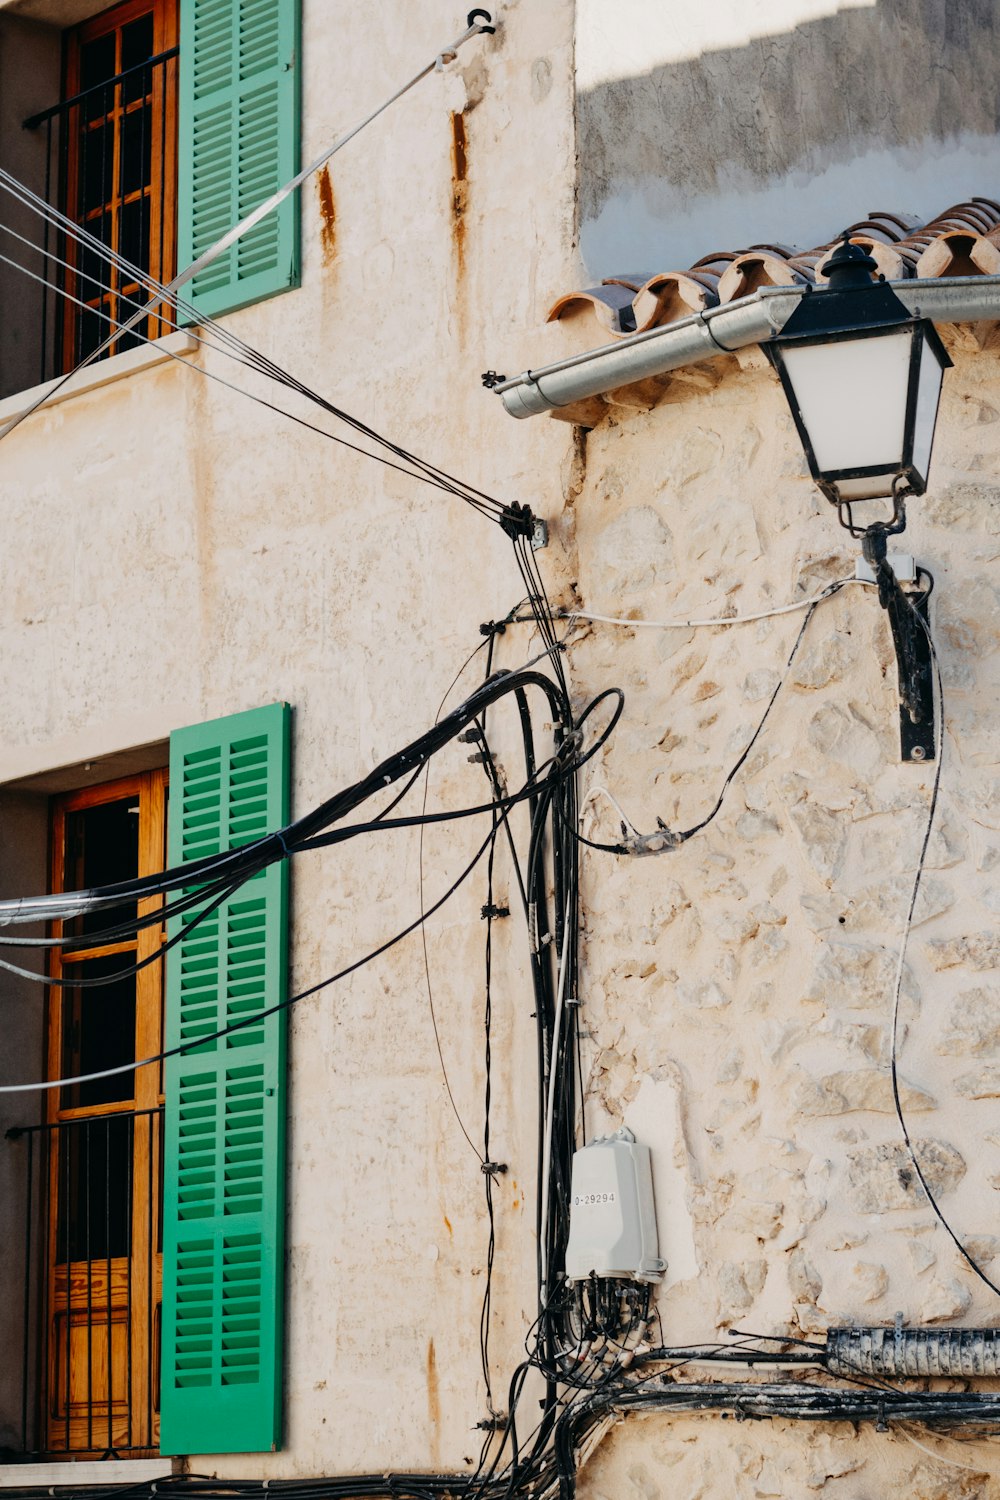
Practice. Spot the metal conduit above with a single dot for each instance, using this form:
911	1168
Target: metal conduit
913	1352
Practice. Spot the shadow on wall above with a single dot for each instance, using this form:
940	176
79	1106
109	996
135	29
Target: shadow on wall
888	105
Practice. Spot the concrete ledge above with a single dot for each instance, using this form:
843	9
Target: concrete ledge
89	1472
103	372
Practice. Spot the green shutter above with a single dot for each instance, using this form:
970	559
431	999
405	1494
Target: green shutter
224	1162
238	138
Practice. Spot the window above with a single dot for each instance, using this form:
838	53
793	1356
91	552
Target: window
175	119
153	1237
104	1138
121	170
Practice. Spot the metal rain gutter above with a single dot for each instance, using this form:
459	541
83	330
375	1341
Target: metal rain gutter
722	330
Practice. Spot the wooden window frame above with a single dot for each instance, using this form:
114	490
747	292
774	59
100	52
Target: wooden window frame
162	258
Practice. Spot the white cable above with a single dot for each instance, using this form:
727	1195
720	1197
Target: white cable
767	614
940	1457
602	791
550	1104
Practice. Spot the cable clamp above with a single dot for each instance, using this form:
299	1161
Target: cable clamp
494	627
517	520
657	842
494	912
493	1168
571	741
881	1424
495	1422
491	379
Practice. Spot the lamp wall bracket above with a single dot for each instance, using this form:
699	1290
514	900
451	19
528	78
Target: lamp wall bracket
909	621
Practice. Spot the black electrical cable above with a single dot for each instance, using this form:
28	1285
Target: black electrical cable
272	1010
241	863
419	468
914	892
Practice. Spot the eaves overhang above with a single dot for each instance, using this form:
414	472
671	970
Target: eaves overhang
721	330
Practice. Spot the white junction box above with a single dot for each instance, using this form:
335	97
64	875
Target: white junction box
612	1223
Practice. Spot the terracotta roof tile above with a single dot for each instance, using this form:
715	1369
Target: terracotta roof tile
964	240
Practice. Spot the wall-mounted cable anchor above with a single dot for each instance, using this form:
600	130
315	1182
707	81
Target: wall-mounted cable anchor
493	627
519	521
481	18
493	1168
491	379
493	912
495	1422
481	758
909	622
471	736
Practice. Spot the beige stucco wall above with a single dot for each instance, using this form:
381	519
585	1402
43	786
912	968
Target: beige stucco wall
171	553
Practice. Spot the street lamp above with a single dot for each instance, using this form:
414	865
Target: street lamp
862	376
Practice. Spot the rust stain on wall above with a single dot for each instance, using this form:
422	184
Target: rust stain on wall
459	186
327	215
433	1403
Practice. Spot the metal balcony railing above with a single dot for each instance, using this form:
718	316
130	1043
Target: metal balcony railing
90	1282
110	168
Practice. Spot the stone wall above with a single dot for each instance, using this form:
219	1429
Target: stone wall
739	988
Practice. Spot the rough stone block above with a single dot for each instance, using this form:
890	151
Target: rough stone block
882	1178
978	950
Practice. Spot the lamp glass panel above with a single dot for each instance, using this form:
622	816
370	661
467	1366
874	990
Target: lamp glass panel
928	394
851	394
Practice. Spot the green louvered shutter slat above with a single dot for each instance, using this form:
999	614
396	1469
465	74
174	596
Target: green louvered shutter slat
224	1160
238	135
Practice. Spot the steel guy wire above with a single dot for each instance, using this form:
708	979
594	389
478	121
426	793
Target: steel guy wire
249	221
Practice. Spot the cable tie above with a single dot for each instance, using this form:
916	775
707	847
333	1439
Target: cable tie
494	912
279	835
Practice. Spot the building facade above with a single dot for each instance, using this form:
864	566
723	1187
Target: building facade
274	1256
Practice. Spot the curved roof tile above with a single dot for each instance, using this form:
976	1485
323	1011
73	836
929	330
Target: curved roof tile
964	240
